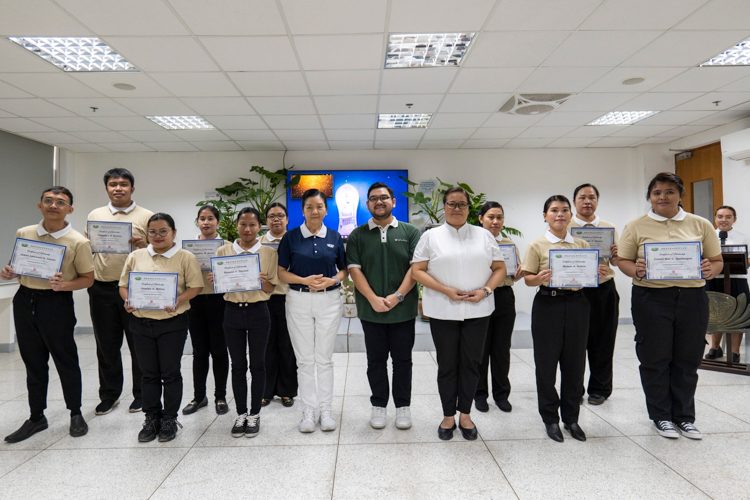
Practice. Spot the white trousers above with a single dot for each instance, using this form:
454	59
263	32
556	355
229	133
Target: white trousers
313	321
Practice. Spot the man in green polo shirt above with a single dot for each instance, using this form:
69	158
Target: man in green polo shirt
378	255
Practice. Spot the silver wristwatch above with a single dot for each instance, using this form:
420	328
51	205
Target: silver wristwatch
399	296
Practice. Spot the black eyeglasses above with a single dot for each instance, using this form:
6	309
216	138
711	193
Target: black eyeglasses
453	205
275	217
375	199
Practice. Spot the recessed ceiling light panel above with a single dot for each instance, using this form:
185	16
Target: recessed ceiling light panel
181	122
427	49
622	117
75	54
418	120
739	55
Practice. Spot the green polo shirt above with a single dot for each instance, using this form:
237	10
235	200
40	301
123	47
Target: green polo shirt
384	258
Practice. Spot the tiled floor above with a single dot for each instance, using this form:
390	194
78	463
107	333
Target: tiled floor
623	458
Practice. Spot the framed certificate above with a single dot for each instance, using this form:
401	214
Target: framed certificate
110	237
599	238
203	250
37	259
511	258
152	290
574	268
236	273
673	261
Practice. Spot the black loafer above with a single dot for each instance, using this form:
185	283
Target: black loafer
221	406
469	434
504	405
481	405
446	434
78	426
27	430
265	402
288	402
595	399
575	431
735	358
554	432
714	353
194	406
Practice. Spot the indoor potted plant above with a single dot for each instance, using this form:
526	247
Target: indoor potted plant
347	297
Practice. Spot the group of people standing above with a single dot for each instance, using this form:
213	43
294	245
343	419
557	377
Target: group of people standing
285	332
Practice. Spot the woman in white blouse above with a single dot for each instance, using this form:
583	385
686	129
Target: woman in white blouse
459	266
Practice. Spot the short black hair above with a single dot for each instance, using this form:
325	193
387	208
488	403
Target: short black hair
489	205
248	210
379	185
665	177
119	173
312	193
58	190
587	185
162	216
277	204
726	207
456	189
553	198
213	210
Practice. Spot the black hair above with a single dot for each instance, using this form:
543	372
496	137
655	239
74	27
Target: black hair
587	185
58	190
162	216
312	193
665	177
488	205
726	207
119	173
274	205
213	210
379	185
456	189
248	210
553	198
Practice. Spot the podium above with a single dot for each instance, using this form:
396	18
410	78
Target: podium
728	315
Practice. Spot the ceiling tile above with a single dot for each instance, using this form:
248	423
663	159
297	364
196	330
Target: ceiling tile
527	143
301	135
417	80
351	144
270	83
53	137
219	105
458	120
561	79
133	123
17	59
485	144
545	132
703	79
107	136
352	104
251	135
396	144
513	49
349	121
685	130
171	146
614	142
350	135
341	51
655	140
261	145
306	145
497	133
334	16
200	135
84	148
654	101
572	142
134	17
103	81
507	120
280	122
637	130
723	117
235	122
196	84
153	106
5	114
442	144
49	84
38	18
600	48
437	16
283	105
343	82
421	103
595	131
677	117
719	15
738	86
596	101
716	101
561	119
72	124
7	91
126	147
513	15
230	17
685	48
163	53
442	134
640	14
472	103
612	81
489	80
217	146
151	136
399	134
258	53
23	125
32	107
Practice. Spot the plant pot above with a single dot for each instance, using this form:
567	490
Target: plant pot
350	310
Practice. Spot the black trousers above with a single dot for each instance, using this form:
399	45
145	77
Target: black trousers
44	322
160	344
206	315
603	319
459	346
281	364
110	321
396	339
559	328
670	325
497	346
246	329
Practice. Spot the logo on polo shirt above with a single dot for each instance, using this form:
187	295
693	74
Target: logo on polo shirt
400	239
330	245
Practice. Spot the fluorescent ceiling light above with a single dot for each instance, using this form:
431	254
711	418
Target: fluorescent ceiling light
418	120
622	117
75	54
181	122
427	49
739	55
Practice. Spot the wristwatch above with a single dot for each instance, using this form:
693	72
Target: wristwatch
487	291
399	296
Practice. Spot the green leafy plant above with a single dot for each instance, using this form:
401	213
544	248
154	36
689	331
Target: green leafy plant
432	205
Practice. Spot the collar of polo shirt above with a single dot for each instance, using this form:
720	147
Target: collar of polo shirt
238	249
271	238
115	209
372	224
554	239
306	232
57	234
680	215
582	222
168	254
218	236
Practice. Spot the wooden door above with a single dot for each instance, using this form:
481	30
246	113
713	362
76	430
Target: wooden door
705	165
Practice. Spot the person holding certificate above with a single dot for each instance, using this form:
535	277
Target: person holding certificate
670	315
604	299
114	230
312	260
559	318
50	260
157	284
460	266
252	268
206	317
497	345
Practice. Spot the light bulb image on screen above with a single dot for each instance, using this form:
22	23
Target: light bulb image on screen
347	202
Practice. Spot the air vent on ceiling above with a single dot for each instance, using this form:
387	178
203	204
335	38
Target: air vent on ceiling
533	104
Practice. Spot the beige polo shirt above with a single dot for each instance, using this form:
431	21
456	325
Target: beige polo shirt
108	266
77	258
652	228
176	260
269	264
268	239
508	280
536	259
597	222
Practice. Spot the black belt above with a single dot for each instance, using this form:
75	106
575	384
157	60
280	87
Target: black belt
244	304
556	292
302	288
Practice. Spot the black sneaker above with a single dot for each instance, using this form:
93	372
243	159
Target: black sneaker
168	429
28	429
106	406
253	426
150	430
666	429
240	423
688	430
136	405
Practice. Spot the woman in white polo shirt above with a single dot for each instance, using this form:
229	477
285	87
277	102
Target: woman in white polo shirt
459	265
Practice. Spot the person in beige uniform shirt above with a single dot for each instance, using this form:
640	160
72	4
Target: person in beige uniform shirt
44	315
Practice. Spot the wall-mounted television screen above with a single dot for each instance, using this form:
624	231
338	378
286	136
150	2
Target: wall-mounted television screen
346	191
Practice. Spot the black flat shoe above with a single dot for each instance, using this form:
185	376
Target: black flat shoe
481	405
78	426
27	430
575	431
468	434
595	399
735	358
504	405
714	353
288	402
221	406
265	402
554	432
446	434
194	406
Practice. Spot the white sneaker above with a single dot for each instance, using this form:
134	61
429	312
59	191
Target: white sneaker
377	418
403	417
327	422
307	424
688	430
666	429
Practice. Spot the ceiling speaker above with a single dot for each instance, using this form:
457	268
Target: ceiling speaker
533	104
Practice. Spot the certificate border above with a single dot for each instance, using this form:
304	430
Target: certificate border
130	277
576	250
515	251
65	249
645	257
586	228
234	257
203	241
88	233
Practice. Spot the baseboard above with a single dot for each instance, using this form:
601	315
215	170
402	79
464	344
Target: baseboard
625	321
5	348
83	330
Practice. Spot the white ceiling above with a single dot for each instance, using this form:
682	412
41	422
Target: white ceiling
296	74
